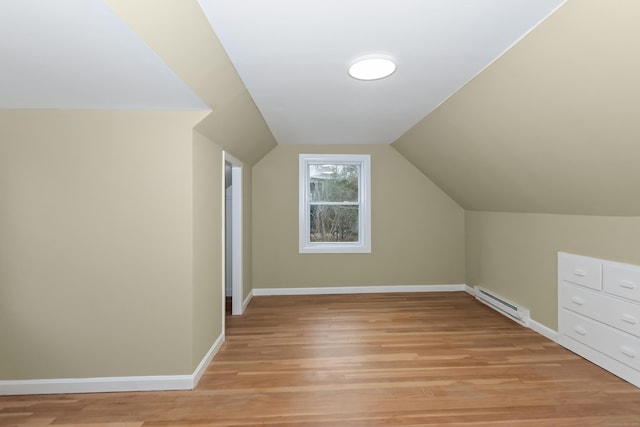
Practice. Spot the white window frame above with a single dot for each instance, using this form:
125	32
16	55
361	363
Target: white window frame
364	199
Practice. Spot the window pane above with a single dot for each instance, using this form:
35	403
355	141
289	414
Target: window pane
334	203
333	182
330	223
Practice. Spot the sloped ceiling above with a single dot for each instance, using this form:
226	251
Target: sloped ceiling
149	55
294	58
179	33
553	126
77	54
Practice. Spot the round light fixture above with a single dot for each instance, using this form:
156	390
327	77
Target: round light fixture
372	68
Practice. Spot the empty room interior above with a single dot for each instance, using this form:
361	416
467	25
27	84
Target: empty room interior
208	217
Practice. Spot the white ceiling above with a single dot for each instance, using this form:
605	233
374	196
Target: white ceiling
77	54
293	57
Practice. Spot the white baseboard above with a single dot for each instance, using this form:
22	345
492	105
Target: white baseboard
96	385
112	384
357	290
468	289
543	330
247	300
206	360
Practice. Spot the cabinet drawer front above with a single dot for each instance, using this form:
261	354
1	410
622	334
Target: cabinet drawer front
622	347
622	280
580	270
614	312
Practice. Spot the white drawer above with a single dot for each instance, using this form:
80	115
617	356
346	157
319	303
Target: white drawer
617	313
580	270
609	341
622	280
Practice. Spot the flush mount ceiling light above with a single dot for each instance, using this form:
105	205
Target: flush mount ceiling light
372	68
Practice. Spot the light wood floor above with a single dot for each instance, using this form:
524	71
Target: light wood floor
366	360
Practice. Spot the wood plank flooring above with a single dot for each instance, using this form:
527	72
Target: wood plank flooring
430	359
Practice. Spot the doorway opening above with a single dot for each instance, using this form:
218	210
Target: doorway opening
233	234
228	226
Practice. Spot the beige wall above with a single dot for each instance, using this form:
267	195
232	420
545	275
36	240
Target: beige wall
515	254
417	231
208	240
551	126
100	274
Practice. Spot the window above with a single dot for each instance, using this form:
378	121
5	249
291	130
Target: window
335	216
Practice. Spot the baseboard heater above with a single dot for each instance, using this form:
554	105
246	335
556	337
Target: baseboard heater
502	305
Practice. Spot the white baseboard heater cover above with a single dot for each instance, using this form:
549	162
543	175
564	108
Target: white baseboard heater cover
502	305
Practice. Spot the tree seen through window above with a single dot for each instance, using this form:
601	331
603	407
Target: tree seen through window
334	202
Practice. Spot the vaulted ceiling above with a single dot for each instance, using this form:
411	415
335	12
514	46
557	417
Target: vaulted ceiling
548	124
77	54
293	56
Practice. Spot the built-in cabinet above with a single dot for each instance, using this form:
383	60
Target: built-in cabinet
599	312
